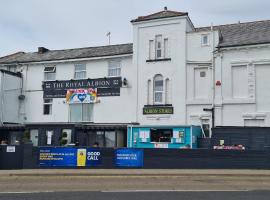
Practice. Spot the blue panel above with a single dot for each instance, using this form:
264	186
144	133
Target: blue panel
129	157
49	156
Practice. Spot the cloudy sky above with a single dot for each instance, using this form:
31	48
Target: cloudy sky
59	24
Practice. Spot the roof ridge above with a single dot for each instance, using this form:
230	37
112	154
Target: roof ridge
175	12
88	47
13	54
216	26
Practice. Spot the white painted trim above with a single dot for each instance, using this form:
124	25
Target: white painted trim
239	101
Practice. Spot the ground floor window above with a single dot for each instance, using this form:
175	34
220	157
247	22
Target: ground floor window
81	112
102	138
161	135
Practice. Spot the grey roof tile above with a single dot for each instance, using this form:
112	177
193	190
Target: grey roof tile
66	54
240	34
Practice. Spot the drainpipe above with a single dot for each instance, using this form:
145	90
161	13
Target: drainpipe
213	80
1	97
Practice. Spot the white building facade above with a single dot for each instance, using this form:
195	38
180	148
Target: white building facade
174	76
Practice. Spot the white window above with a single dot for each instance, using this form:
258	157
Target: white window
166	46
81	112
158	89
49	73
158	46
80	71
47	106
151	50
205	40
114	68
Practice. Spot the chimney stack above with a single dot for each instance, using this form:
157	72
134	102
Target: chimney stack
165	8
42	50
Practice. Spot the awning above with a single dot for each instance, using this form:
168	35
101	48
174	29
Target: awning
95	126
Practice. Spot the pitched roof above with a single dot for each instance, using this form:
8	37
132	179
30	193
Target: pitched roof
240	34
159	15
66	54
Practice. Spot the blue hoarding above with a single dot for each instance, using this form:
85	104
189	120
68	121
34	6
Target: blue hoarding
129	157
69	157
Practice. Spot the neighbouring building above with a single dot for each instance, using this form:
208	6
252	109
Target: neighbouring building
171	85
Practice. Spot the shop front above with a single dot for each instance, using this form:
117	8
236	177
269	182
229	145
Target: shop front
163	136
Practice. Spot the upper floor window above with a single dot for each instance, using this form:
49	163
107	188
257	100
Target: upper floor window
80	71
49	73
114	68
205	40
159	48
158	89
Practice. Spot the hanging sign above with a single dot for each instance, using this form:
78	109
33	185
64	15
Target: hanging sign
81	96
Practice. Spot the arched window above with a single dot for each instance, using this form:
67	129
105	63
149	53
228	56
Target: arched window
158	89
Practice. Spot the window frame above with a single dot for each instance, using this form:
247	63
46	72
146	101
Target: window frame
47	71
47	104
82	119
202	40
159	133
113	67
157	38
155	91
80	71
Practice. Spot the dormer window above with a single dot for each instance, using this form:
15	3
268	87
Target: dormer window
205	40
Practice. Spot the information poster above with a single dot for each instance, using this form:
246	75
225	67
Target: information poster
129	157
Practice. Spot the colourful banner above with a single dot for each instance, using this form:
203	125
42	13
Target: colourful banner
81	96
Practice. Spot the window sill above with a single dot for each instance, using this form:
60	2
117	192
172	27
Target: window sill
158	105
159	60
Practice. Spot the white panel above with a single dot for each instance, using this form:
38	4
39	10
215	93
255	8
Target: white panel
263	87
254	122
201	83
239	82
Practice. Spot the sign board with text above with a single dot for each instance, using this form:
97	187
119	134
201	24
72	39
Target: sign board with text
157	110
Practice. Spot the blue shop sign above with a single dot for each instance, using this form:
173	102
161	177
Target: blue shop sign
129	157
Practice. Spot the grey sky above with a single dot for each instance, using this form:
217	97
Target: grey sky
59	24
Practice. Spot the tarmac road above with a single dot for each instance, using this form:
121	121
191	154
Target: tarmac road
61	180
162	195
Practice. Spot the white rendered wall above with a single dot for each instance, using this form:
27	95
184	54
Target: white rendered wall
120	109
244	96
174	70
10	89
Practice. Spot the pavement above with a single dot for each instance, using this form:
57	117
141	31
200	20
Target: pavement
134	172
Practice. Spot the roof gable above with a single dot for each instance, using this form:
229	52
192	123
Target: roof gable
159	15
